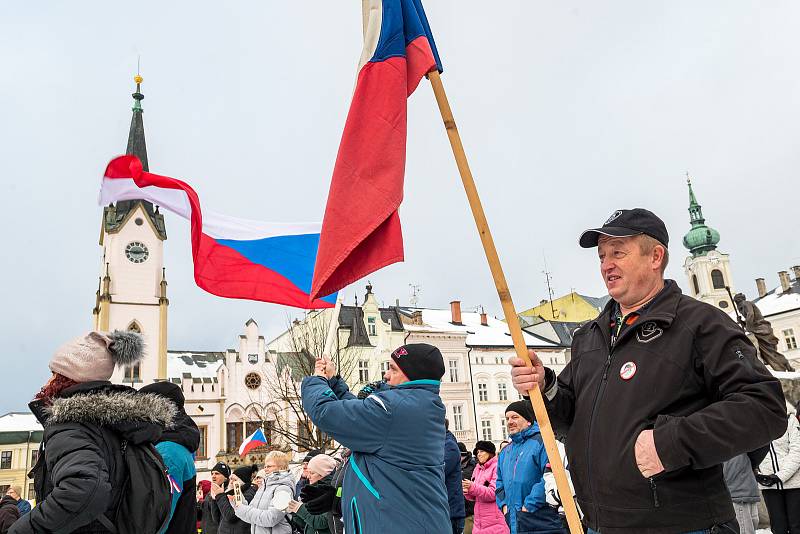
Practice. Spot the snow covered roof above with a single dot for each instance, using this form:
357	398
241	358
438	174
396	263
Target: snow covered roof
495	334
182	364
776	301
19	422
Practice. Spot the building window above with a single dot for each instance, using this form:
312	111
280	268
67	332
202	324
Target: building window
363	371
502	391
695	285
791	342
483	392
31	492
504	431
133	373
458	417
34	457
717	280
453	367
235	436
4	488
5	460
486	430
371	327
201	450
498	359
384	368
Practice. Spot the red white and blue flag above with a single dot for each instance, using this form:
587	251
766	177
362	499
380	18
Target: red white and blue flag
398	51
234	258
256	439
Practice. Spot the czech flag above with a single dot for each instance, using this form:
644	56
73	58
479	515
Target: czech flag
234	258
398	51
256	439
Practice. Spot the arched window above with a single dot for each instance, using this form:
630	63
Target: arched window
717	279
695	284
133	373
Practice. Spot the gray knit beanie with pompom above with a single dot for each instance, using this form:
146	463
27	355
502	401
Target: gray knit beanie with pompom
94	356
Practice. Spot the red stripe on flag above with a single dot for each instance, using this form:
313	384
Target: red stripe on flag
361	230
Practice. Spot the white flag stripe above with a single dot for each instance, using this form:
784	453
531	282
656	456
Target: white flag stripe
215	225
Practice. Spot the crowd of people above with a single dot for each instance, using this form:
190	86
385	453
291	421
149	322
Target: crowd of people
670	424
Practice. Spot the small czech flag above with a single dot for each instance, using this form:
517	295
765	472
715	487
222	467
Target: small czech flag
256	439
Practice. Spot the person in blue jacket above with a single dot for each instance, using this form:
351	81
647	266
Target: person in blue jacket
177	448
395	477
520	476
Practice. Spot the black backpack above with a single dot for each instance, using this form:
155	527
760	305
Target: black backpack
146	497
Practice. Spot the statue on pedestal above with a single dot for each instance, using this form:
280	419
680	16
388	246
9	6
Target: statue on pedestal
753	321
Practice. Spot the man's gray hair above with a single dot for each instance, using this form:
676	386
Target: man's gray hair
647	244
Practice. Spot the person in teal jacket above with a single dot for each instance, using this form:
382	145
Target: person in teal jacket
395	479
177	447
520	476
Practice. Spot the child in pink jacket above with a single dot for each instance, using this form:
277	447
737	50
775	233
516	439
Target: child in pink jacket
488	518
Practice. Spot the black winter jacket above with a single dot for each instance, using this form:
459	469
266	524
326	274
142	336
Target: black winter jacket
223	513
80	471
9	513
684	369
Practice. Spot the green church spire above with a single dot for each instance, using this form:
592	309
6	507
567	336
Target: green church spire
701	239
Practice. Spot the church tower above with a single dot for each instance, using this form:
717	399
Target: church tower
132	291
707	269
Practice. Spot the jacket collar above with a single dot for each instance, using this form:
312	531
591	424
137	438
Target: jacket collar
662	309
430	385
489	463
522	435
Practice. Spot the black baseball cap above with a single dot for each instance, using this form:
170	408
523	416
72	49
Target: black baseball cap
627	223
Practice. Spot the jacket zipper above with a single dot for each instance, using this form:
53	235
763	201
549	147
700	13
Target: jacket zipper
597	397
655	492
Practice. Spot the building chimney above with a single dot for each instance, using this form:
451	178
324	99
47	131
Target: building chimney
762	287
484	318
796	270
786	286
455	312
416	317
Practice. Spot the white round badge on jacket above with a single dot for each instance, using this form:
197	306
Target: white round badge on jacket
627	370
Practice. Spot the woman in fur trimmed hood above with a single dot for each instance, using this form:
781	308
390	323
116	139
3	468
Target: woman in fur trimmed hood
80	473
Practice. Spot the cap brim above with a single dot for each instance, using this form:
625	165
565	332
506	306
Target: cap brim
589	238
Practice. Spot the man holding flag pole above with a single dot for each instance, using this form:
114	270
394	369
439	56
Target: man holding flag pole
398	51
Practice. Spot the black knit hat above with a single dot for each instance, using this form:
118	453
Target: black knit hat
310	455
462	447
419	361
245	473
523	408
486	446
167	390
222	467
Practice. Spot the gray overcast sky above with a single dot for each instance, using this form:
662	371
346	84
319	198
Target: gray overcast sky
568	111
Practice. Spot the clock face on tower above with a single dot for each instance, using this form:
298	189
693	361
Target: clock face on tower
136	252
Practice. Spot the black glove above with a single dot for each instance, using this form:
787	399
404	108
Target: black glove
768	480
369	389
318	498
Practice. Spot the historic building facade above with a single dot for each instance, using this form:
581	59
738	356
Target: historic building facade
707	269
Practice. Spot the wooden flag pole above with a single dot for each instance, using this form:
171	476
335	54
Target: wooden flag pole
333	329
564	490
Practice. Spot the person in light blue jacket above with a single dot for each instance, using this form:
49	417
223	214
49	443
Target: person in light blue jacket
520	476
394	482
